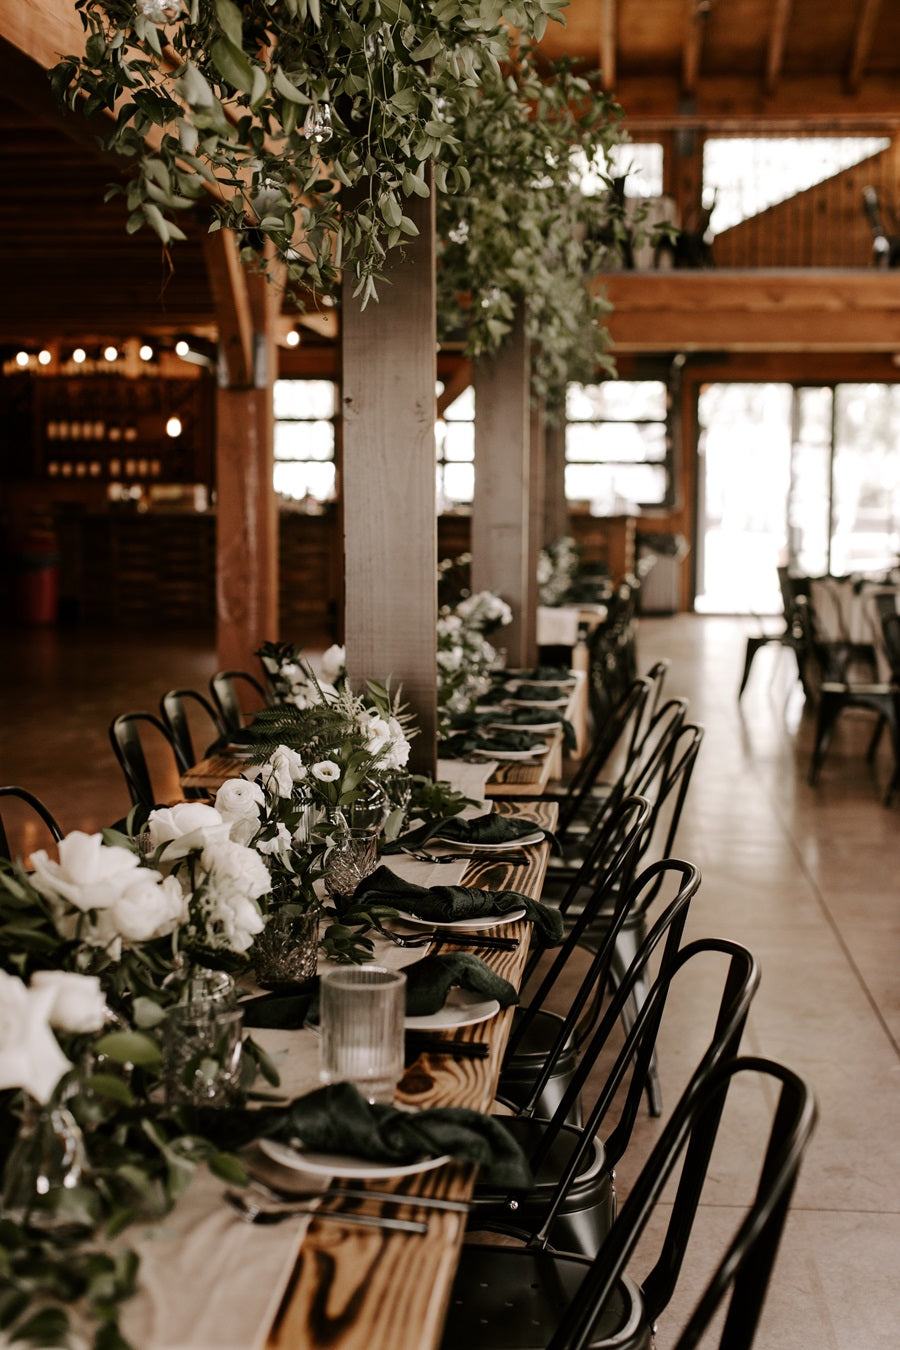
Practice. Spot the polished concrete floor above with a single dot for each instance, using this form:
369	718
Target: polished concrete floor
808	879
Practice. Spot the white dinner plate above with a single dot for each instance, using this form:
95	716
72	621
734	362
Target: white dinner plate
536	727
499	847
338	1165
240	751
536	702
463	1008
503	755
540	684
473	925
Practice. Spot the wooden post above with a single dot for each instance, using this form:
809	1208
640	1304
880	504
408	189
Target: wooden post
390	524
246	517
537	477
556	508
500	512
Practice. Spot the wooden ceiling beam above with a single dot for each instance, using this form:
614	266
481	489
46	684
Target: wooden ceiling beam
777	41
754	311
608	27
692	49
862	44
811	104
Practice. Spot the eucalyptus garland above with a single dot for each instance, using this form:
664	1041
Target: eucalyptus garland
263	112
523	232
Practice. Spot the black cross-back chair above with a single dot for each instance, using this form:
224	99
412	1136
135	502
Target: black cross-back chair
542	1049
572	1204
125	734
224	687
618	736
533	1298
573	1167
173	709
37	806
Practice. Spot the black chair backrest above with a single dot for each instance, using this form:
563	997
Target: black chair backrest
890	628
125	735
35	805
666	934
746	1266
224	689
616	738
740	983
175	715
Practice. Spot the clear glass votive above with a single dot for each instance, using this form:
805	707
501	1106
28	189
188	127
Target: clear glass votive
203	1048
361	1013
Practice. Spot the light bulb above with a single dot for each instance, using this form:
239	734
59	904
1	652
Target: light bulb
182	348
110	353
292	339
44	357
173	427
79	355
317	124
146	352
22	359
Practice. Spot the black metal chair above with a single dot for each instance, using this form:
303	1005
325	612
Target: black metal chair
125	734
233	711
791	635
533	1298
174	708
37	807
573	1167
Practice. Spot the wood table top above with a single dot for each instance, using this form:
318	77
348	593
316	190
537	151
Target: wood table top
365	1289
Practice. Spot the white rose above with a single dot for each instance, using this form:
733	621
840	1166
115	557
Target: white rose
326	771
236	877
377	733
89	874
30	1056
333	663
398	754
185	827
152	908
293	673
78	1003
279	844
283	770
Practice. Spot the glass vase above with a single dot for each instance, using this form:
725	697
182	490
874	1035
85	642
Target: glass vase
47	1158
352	856
369	808
287	949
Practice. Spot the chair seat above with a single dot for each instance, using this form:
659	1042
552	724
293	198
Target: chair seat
588	1210
513	1299
520	1070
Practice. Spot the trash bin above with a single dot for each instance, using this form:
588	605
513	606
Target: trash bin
661	586
36	562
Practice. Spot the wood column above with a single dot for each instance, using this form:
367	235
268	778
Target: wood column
390	524
246	517
537	479
500	512
556	508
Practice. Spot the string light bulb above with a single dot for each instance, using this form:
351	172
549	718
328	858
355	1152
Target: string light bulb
145	352
79	355
292	339
22	359
182	348
44	357
110	353
173	427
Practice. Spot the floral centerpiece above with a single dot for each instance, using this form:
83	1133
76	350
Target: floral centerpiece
465	658
558	565
290	677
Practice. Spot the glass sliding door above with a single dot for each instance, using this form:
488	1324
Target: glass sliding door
809	499
866	478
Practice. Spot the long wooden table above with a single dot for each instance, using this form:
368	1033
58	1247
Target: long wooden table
358	1289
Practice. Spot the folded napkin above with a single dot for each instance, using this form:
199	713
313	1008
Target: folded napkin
540	693
525	717
491	828
337	1119
543	673
448	904
490	742
429	981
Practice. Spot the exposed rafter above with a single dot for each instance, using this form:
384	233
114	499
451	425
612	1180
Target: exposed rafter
695	23
862	43
608	22
777	40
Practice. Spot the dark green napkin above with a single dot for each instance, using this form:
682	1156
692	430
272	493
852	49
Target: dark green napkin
447	904
427	984
538	693
429	981
491	828
490	742
337	1119
543	673
525	717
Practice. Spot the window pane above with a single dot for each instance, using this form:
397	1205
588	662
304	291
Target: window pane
459	440
304	398
620	400
462	409
866	478
459	482
305	479
304	440
612	486
616	440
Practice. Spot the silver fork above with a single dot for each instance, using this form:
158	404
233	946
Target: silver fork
488	943
252	1211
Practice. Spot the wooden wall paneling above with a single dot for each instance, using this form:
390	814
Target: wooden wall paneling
556	508
390	526
500	514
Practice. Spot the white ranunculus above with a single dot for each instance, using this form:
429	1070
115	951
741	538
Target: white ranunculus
236	877
398	754
184	828
293	673
282	771
280	843
241	802
326	771
333	663
89	874
152	908
30	1056
78	1003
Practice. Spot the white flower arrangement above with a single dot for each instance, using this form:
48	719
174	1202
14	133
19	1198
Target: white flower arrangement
30	1055
556	569
465	658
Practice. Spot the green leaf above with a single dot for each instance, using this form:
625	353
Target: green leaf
108	1085
129	1047
226	1167
260	87
390	210
286	89
233	64
429	48
229	17
50	1326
